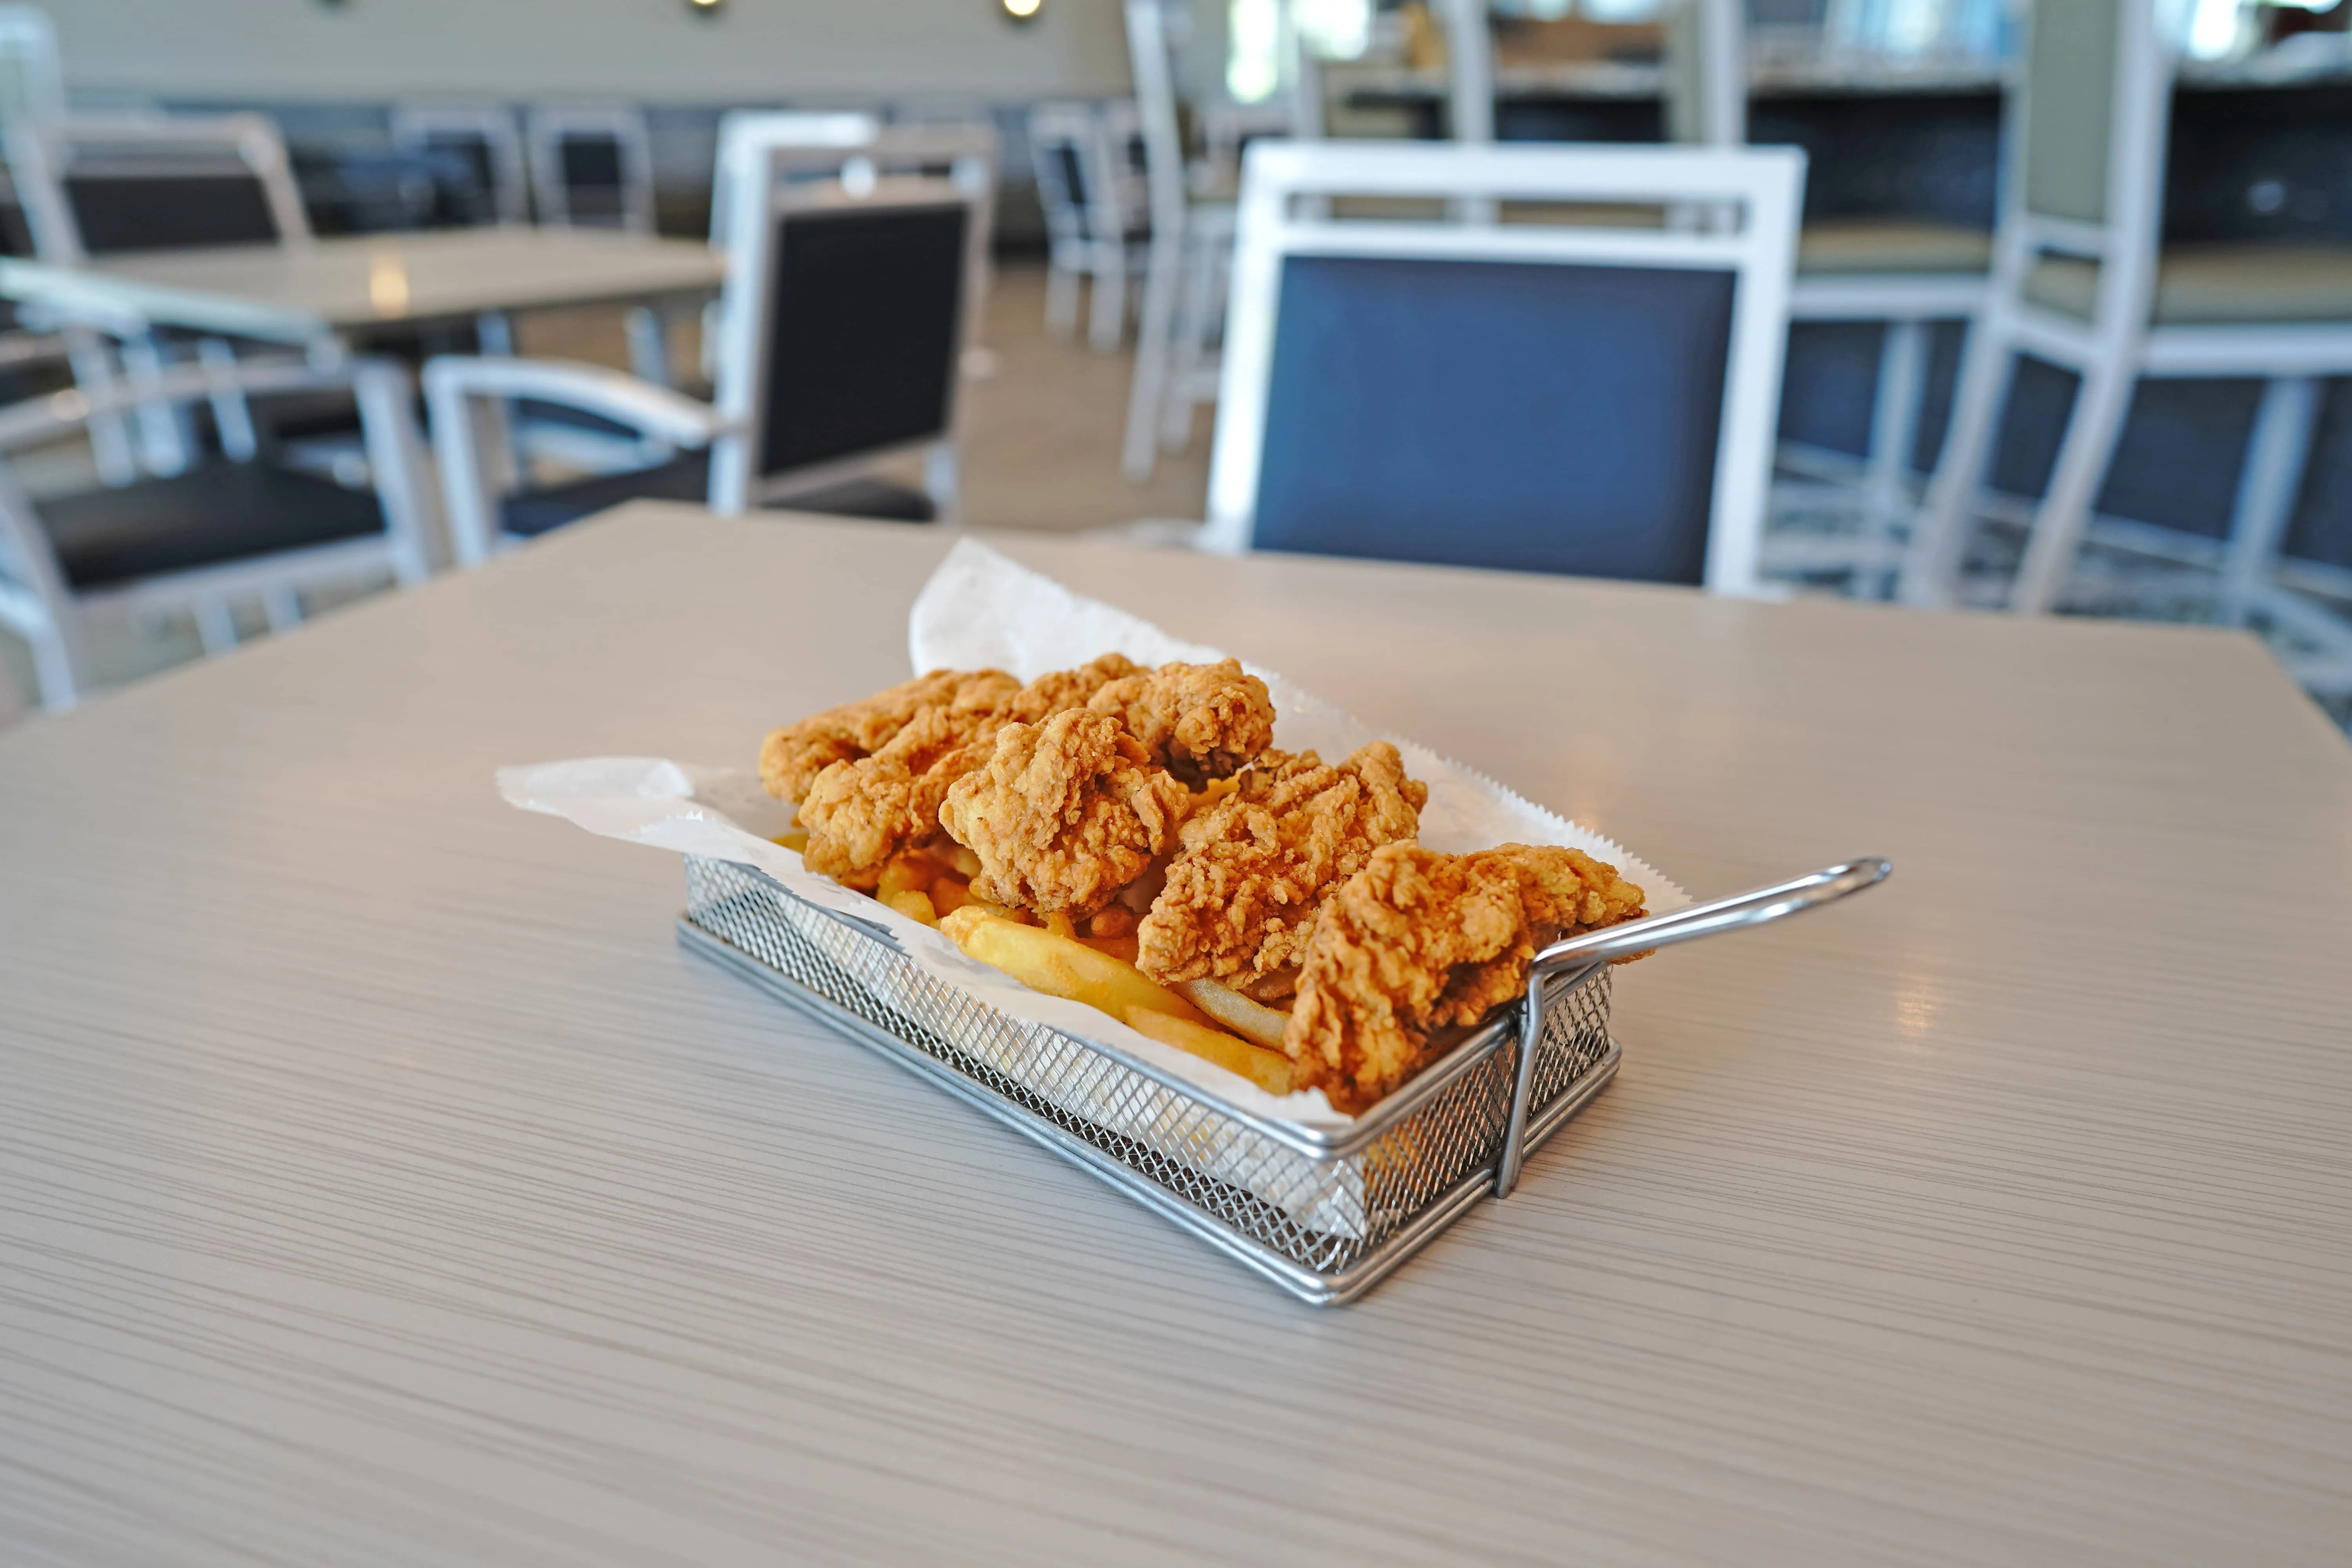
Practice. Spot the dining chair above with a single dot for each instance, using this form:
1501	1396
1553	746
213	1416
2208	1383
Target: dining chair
1908	273
1541	395
1191	246
592	166
2081	280
232	525
97	186
858	150
842	339
485	136
1097	213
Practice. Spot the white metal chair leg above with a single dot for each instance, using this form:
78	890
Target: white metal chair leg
2100	403
649	345
1895	431
1150	382
215	626
2268	486
944	481
1106	328
1190	345
60	666
1939	537
283	609
1061	299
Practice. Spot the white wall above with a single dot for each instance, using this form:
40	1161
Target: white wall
644	50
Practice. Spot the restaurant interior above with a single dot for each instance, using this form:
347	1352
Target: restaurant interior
2053	315
935	781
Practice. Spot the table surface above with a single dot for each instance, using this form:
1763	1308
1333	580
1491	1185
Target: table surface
349	284
379	1182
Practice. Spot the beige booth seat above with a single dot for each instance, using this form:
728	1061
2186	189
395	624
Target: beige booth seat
2216	283
1837	245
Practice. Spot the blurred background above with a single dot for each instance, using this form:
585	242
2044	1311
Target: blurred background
310	299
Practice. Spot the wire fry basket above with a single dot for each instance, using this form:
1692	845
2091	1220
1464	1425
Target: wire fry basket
1323	1213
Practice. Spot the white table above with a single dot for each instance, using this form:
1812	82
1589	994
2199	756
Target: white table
346	286
379	1182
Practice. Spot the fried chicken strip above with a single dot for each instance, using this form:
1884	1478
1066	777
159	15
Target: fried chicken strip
1064	814
1417	940
1199	721
862	814
1240	898
865	812
791	758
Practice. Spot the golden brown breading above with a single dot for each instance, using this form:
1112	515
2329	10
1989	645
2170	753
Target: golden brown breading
1066	688
1199	720
863	813
1240	898
1417	940
792	757
1064	814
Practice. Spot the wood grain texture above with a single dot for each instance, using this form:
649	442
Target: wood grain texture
378	1182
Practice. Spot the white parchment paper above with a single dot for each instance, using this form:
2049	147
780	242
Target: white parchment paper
980	610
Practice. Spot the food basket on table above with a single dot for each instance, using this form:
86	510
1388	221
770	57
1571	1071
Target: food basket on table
931	871
1325	1214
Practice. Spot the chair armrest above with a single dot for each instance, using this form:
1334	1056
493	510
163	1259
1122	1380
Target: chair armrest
656	412
62	413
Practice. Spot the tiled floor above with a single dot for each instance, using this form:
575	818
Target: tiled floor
1040	450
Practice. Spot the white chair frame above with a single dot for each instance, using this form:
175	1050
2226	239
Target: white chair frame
2111	351
1191	241
1285	187
415	125
1707	85
860	151
28	55
1107	244
467	397
39	604
41	157
550	123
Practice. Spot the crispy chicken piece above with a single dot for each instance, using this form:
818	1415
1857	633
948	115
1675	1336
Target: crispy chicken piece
1199	720
866	812
792	756
862	814
1066	688
1240	898
1417	940
1064	814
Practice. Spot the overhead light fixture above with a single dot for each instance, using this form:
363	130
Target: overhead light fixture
1022	10
704	8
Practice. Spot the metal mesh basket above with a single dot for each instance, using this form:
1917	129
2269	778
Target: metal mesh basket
1323	1213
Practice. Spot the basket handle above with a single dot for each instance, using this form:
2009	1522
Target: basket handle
1580	955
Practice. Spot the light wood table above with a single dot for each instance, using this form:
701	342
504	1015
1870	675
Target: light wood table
379	1182
348	285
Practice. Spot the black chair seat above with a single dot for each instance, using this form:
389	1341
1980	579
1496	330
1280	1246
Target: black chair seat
211	515
686	478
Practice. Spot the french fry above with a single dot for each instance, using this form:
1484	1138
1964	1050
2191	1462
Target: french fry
905	873
914	903
1062	965
794	837
949	894
1060	924
1123	948
1268	1069
1252	1021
